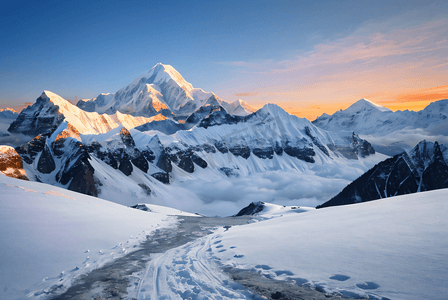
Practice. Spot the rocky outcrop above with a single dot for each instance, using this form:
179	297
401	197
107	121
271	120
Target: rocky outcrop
11	163
252	209
30	150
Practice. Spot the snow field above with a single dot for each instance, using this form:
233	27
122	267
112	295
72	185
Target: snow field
50	236
394	248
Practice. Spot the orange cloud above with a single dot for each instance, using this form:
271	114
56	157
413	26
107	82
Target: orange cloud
246	94
401	69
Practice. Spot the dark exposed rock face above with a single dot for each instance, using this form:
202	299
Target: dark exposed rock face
149	155
251	209
73	157
305	154
184	159
203	112
219	117
46	162
361	147
75	167
41	117
97	150
29	150
424	168
122	157
164	163
229	172
316	141
221	147
125	166
356	147
265	153
162	177
278	149
83	180
242	150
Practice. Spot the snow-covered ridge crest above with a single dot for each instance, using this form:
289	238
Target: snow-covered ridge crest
51	109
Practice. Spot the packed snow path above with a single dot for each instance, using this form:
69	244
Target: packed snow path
174	263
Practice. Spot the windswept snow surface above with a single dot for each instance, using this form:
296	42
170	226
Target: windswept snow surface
49	235
394	248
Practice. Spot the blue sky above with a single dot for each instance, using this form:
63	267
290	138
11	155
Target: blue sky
82	48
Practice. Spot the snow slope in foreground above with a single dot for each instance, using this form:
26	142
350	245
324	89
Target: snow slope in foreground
394	248
50	235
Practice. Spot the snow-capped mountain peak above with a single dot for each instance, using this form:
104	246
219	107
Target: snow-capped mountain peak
161	90
365	104
238	108
164	73
50	110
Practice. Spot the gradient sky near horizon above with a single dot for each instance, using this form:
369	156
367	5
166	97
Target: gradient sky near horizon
309	57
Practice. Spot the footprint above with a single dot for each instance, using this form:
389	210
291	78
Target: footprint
368	285
219	246
264	267
233	247
238	256
340	277
320	288
278	273
223	250
300	281
217	242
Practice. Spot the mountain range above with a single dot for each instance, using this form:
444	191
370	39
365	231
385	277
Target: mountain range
390	132
161	137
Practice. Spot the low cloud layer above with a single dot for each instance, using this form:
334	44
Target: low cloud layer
227	196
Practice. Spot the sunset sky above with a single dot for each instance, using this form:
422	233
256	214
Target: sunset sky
309	57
